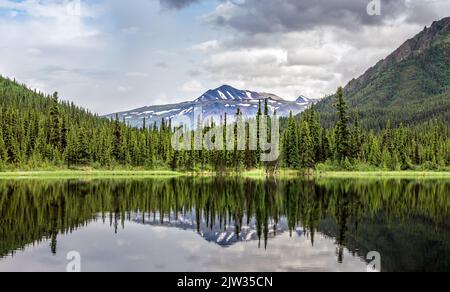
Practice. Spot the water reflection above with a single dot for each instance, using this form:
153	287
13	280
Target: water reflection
405	220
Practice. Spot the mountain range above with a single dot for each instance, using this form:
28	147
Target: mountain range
410	86
215	102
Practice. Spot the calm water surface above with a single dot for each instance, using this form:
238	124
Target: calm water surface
210	224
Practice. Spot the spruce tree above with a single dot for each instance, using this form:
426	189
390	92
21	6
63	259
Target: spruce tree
71	154
290	144
342	132
356	139
306	146
64	133
83	154
55	120
315	132
117	141
3	151
258	152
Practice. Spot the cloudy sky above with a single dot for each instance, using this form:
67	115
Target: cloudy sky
112	55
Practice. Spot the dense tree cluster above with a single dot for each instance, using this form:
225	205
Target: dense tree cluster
39	131
349	146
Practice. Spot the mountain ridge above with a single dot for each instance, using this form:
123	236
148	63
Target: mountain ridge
227	92
410	48
410	86
214	102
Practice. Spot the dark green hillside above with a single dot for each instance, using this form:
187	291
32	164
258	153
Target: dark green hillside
39	131
410	86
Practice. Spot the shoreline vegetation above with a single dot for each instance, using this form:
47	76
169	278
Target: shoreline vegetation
252	174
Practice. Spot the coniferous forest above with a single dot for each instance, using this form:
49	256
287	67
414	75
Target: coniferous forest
38	131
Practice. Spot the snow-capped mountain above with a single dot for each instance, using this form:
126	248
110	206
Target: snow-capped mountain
215	102
304	99
227	92
223	236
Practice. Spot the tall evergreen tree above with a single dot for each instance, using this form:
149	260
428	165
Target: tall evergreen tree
356	139
3	150
55	130
342	132
306	146
118	141
83	154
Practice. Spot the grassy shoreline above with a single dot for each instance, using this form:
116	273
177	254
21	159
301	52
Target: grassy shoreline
69	174
105	174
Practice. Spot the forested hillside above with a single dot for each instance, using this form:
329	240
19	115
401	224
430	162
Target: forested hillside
347	145
38	131
411	86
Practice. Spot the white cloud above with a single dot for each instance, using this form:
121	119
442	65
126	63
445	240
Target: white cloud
312	63
136	74
48	23
130	30
206	46
310	57
124	89
245	60
37	85
34	51
192	86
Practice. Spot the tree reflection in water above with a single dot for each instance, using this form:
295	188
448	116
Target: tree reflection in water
405	220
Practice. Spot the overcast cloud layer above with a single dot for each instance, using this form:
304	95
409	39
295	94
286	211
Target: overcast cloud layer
114	55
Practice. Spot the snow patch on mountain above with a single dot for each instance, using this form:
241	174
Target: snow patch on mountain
166	112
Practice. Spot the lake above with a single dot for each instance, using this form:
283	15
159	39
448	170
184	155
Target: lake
213	224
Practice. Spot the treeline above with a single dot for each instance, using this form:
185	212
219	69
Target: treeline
39	131
347	145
